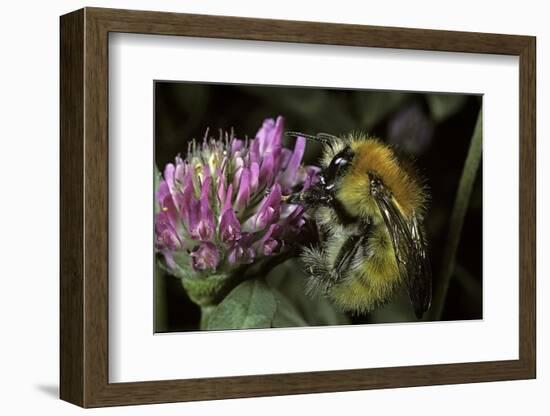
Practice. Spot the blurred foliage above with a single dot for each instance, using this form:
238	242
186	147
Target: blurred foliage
462	200
433	128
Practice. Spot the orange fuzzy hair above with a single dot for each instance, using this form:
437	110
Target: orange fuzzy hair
371	155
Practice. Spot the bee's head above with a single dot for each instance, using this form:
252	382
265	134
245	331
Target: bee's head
331	173
336	161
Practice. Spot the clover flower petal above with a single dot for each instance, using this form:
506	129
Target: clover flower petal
223	204
205	256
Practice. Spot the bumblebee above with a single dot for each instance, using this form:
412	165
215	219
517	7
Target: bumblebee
369	206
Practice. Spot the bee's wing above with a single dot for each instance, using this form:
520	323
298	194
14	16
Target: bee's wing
410	246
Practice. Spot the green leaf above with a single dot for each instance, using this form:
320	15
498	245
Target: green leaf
249	305
289	280
287	314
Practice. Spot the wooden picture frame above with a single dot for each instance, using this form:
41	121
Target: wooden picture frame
84	207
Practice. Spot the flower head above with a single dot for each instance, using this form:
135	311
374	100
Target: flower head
224	203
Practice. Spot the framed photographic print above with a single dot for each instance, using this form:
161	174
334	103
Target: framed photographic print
256	207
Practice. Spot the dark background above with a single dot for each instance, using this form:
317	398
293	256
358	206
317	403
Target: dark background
434	128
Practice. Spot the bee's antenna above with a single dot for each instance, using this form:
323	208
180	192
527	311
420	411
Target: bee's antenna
306	136
320	138
327	136
323	138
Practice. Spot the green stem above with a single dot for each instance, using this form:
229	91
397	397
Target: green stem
206	312
161	323
209	291
465	187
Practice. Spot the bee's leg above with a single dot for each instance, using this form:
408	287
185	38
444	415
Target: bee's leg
346	256
352	248
323	273
315	195
293	198
318	269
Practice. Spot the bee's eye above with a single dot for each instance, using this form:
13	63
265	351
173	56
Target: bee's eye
339	163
